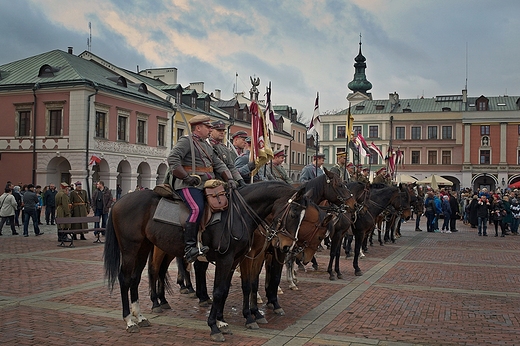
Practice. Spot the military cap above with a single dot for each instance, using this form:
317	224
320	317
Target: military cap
341	154
319	156
240	134
200	119
279	152
218	125
350	164
382	169
77	183
64	185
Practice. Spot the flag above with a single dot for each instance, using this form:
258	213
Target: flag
399	158
94	160
359	144
261	152
271	123
391	160
350	125
363	143
376	149
313	126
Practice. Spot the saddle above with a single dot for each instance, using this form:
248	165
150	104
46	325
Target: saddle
172	210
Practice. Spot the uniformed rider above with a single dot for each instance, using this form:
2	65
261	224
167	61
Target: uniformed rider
339	167
276	169
190	185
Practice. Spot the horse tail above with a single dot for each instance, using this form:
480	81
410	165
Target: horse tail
111	254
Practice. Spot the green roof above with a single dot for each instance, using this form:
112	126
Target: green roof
67	69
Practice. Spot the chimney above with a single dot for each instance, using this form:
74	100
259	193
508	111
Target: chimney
217	93
69	50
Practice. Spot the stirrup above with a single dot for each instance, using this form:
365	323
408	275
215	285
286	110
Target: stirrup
194	252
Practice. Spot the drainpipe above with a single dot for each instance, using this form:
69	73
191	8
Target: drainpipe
290	153
34	158
87	153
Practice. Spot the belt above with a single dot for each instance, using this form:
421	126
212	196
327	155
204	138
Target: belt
199	169
79	203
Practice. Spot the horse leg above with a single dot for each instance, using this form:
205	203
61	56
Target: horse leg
153	279
274	266
290	273
134	288
246	278
184	278
201	288
223	274
348	247
164	284
124	284
257	268
187	279
357	250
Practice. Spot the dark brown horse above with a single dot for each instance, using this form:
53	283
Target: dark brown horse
325	187
132	232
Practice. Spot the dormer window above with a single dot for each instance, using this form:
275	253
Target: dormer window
142	88
446	109
380	107
482	104
360	107
121	81
47	71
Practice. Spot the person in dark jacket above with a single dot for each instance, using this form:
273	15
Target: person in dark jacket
446	212
455	212
473	218
101	202
30	202
49	200
497	215
483	207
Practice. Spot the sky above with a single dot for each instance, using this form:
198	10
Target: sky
303	47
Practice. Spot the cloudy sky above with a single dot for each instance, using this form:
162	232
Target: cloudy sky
414	47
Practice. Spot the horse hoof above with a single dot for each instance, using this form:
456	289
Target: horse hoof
184	291
206	303
226	330
219	337
157	310
294	288
261	320
279	312
144	323
332	277
133	328
359	273
252	325
270	305
340	276
166	306
192	295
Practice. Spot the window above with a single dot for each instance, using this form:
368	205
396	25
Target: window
121	128
293	155
180	133
432	132
299	137
482	106
24	123
519	129
54	122
298	162
432	157
161	130
447	132
373	131
399	132
356	130
340	131
518	159
484	130
100	124
485	157
373	159
446	157
416	157
416	132
141	131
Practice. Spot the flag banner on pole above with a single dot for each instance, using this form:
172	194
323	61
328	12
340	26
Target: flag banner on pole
271	123
94	160
376	149
391	160
364	143
350	125
359	145
313	126
399	158
260	145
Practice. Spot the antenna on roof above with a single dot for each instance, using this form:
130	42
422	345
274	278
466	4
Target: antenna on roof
466	85
89	40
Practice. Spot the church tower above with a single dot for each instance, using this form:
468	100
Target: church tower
359	85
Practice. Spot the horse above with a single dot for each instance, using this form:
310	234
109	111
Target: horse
375	202
131	227
342	228
325	187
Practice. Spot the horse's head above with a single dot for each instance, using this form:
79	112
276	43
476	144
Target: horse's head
335	190
288	219
313	229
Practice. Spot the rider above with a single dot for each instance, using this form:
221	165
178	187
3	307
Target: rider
339	167
190	186
313	169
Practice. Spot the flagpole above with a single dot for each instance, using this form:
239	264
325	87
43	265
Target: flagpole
316	157
347	132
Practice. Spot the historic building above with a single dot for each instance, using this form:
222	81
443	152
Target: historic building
471	141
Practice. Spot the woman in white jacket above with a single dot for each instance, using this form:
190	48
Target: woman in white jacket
8	206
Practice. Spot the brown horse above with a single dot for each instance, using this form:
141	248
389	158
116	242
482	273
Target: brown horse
131	228
325	187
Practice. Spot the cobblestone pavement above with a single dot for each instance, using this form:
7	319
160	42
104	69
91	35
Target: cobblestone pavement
426	289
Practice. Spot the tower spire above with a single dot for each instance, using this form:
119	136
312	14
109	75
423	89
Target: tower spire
360	82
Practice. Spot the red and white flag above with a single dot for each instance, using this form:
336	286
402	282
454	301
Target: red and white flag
94	160
376	149
261	152
313	126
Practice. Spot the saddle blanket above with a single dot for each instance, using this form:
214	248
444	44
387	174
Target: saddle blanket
169	212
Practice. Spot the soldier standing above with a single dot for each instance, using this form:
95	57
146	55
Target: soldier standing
190	186
80	207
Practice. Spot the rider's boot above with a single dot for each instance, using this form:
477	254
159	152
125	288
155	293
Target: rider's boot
191	251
